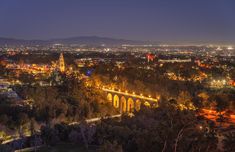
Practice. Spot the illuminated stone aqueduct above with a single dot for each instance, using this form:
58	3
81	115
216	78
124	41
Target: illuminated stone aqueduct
128	102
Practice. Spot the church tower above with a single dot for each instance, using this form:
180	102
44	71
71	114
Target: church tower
61	63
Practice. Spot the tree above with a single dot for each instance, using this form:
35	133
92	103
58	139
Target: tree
229	142
203	97
73	136
6	148
4	119
87	133
49	135
221	106
111	147
22	120
163	129
185	100
26	78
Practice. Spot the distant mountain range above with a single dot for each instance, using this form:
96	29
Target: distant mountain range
84	40
97	41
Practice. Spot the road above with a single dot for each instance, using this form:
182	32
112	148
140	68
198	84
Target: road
92	120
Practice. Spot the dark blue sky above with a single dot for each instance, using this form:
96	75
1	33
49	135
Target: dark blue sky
159	20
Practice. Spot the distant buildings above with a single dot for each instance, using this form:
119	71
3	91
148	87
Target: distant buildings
150	57
174	60
9	93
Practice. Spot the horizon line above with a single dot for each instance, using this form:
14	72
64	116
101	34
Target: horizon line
148	42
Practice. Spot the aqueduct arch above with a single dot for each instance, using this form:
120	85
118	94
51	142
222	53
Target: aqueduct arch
137	105
110	97
123	107
130	105
116	101
128	102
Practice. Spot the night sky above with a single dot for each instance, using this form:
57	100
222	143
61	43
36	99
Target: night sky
157	20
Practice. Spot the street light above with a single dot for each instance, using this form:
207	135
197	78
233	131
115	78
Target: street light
200	127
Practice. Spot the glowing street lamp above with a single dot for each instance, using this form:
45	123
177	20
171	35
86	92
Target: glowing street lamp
158	97
224	82
200	127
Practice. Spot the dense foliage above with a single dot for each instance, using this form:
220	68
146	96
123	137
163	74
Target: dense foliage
162	129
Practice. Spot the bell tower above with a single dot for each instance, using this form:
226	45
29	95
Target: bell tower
61	63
